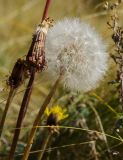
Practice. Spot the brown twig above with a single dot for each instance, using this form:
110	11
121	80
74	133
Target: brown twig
117	38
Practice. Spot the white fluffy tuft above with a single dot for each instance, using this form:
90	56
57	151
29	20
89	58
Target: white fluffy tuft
79	50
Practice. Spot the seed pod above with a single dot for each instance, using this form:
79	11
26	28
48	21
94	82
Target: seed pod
17	76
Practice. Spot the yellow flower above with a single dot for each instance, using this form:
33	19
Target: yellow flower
58	111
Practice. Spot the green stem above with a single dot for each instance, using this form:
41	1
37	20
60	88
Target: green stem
38	117
8	103
44	145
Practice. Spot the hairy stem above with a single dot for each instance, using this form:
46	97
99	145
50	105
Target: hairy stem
8	103
21	115
38	117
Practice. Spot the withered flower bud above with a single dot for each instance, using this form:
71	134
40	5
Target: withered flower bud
52	120
36	55
17	76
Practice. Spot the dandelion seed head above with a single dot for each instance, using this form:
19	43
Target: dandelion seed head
76	48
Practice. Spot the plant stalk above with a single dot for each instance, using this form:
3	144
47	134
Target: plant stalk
93	150
28	91
8	103
38	117
102	131
21	115
44	145
121	85
45	13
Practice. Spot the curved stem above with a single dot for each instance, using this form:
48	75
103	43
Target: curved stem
8	103
38	117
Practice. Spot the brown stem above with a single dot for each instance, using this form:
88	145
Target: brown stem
34	45
9	100
38	117
46	9
121	88
21	115
44	145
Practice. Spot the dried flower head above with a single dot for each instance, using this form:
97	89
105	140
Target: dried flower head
78	50
18	74
36	54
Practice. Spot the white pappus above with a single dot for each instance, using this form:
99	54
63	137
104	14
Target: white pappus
76	48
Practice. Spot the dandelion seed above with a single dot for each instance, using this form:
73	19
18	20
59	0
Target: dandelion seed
79	51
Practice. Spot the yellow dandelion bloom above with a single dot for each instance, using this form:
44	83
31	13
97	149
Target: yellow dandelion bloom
57	110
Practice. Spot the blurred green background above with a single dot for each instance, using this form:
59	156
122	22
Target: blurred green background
18	20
